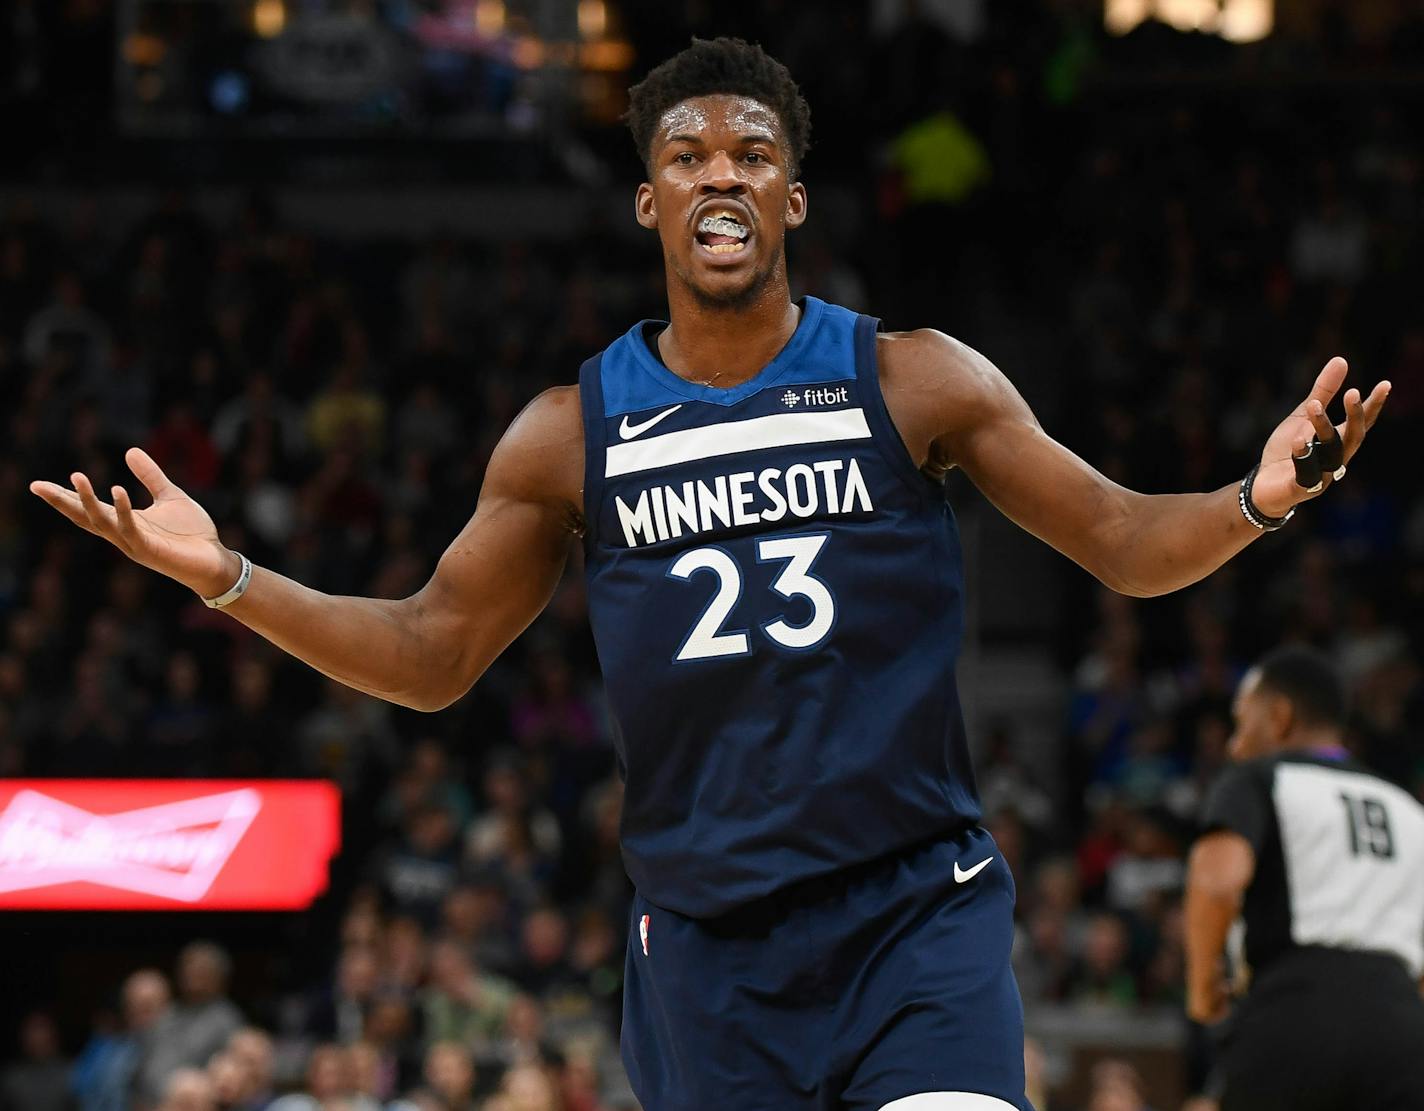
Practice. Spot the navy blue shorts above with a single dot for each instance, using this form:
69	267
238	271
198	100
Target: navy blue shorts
880	982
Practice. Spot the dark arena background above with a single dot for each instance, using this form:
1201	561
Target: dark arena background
314	255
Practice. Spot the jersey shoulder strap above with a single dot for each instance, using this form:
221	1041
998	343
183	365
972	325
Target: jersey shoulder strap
591	402
877	414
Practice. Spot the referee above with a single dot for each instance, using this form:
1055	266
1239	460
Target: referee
1324	861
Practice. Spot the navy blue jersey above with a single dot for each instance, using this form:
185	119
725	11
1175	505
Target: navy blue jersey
776	593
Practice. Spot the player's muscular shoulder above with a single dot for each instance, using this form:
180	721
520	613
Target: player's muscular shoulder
540	458
938	391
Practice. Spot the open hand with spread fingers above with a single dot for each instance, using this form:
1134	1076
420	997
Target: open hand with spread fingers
1306	453
174	536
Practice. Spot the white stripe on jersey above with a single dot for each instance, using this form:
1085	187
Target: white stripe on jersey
1354	857
731	437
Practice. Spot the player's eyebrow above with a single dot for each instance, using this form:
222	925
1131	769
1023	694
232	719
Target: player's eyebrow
749	137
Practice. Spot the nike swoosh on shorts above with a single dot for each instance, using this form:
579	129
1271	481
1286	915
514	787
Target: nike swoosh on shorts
960	875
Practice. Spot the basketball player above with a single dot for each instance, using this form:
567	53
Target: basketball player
776	592
1325	862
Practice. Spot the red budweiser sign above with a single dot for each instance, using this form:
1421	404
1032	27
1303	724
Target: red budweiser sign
165	844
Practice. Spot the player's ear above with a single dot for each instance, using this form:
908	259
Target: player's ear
796	205
644	207
1281	716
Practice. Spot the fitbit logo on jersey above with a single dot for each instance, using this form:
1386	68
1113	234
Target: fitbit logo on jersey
816	395
745	498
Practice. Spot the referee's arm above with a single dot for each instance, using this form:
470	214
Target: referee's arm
1221	866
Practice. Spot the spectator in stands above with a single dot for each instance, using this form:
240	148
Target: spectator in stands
252	736
1035	1075
552	713
1043	959
373	1073
131	605
462	1003
1006	781
94	728
596	957
264	504
420	869
329	1085
528	1088
180	724
39	1081
182	447
406	956
252	1048
67	336
1101	975
545	970
106	1072
260	416
1149	865
579	1082
339	1014
476	917
199	1025
427	423
1117	1086
390	1027
188	1089
602	862
232	1084
427	776
346	737
517	838
347	413
1054	931
449	1078
524	1038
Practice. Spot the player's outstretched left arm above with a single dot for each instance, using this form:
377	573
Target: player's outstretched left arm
955	408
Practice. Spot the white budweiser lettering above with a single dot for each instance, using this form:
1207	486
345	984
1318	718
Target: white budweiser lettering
175	850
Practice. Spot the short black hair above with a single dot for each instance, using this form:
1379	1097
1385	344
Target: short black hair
720	65
1308	680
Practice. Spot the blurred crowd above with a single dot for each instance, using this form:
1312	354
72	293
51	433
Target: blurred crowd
349	1047
1183	270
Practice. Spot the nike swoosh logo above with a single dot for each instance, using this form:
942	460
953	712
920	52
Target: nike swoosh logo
960	875
628	431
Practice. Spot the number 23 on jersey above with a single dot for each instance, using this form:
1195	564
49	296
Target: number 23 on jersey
708	640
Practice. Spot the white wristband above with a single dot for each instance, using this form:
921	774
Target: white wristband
238	589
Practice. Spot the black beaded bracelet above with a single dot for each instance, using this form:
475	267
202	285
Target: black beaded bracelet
1248	507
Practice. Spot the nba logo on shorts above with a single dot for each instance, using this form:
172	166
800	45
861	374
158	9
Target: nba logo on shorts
643	925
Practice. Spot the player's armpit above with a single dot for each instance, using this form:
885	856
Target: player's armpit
503	567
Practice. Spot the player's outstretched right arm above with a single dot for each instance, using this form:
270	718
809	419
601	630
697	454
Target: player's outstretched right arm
423	651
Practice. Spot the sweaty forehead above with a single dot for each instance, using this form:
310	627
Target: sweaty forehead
742	114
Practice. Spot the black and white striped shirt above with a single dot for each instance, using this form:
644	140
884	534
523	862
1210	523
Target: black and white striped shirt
1339	857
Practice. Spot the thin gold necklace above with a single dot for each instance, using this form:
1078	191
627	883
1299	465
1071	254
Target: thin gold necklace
694	381
709	381
706	381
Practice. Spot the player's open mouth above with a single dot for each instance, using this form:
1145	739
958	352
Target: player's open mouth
721	232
